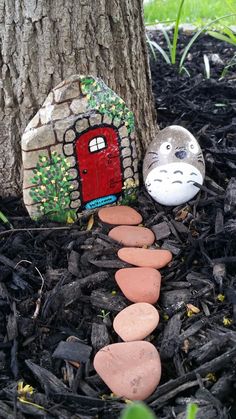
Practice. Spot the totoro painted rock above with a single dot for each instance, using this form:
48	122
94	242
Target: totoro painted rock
172	165
79	151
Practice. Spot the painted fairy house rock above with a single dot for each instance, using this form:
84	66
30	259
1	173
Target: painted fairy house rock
79	151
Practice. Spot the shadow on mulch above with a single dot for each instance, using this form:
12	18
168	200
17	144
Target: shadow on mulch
74	297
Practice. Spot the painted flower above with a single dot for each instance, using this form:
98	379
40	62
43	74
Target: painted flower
43	188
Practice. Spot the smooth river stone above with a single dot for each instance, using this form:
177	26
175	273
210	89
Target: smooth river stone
120	214
139	285
130	369
149	258
132	236
136	321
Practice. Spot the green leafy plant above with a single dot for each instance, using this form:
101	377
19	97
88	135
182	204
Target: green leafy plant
52	187
137	411
4	219
226	35
106	101
231	63
130	192
171	56
172	46
192	409
104	314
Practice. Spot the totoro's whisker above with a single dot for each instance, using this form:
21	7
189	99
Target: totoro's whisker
153	162
178	171
157	180
200	161
177	181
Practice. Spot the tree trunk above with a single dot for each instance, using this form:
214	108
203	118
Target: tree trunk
43	42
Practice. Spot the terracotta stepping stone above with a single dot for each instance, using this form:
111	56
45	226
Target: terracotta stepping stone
120	214
139	284
136	322
150	258
130	369
132	236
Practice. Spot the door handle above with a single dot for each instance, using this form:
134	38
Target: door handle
84	171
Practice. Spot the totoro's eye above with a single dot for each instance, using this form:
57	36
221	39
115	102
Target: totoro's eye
193	147
165	148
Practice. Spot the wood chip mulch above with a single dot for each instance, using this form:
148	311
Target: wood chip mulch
58	296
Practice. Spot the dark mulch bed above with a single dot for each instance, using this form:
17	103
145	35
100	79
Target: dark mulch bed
198	352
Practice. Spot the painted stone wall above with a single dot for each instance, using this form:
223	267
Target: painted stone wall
79	151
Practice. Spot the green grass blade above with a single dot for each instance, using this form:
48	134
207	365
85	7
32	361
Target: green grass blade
4	219
222	37
151	47
192	411
231	34
167	38
184	70
137	411
176	33
197	34
161	50
231	63
207	66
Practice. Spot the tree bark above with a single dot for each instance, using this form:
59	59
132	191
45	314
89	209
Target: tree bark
43	42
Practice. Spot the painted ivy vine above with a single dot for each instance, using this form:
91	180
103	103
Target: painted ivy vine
103	99
52	187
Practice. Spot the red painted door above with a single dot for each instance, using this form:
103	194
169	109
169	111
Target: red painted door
99	164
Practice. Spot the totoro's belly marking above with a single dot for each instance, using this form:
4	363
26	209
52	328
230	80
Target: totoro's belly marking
173	183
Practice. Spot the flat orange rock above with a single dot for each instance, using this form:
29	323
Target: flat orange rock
132	235
136	321
150	258
139	284
119	215
130	369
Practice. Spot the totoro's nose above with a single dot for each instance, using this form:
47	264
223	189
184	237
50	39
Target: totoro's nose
181	154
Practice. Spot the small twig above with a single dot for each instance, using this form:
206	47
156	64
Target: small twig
17	230
40	292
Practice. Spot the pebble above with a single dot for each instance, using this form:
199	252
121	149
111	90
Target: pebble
119	215
132	236
130	369
139	285
136	321
152	258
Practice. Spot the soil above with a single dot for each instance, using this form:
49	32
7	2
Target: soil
58	282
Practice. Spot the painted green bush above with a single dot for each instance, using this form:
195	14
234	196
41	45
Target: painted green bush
52	187
103	99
